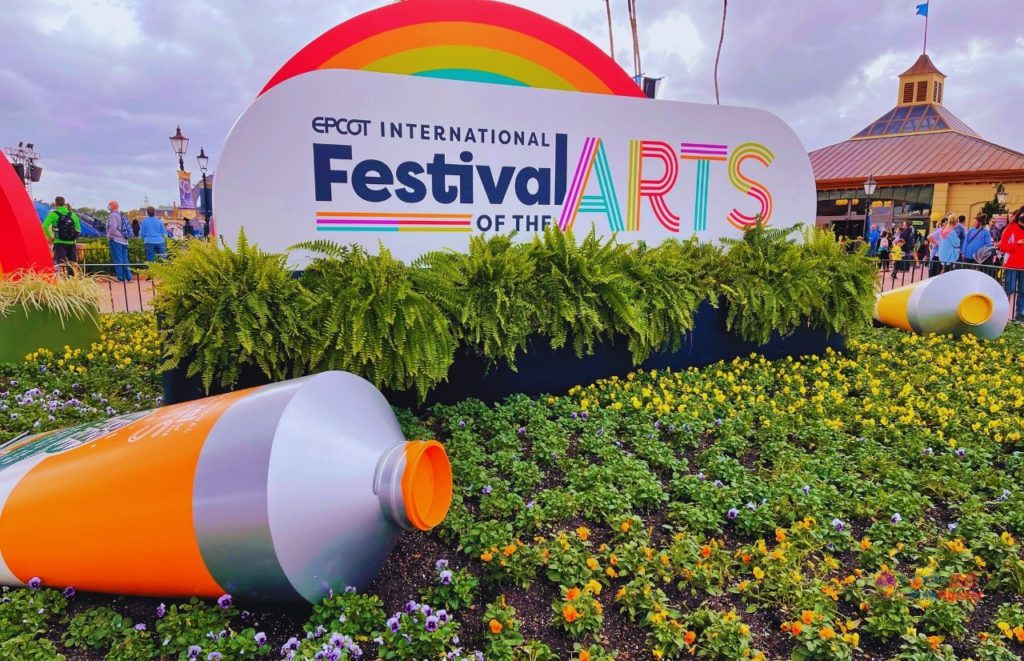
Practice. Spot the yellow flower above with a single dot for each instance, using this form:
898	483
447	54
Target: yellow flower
758	573
593	564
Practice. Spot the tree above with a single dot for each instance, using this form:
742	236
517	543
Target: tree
992	207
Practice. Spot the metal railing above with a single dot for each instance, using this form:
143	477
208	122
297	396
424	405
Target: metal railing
121	296
894	274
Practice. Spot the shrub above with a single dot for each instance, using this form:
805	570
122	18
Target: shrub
585	293
671	281
228	308
490	293
771	288
373	322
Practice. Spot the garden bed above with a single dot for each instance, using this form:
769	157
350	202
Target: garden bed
867	501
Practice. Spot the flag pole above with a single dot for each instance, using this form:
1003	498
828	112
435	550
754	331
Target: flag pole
927	11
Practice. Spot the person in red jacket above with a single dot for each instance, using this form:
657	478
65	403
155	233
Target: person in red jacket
1011	244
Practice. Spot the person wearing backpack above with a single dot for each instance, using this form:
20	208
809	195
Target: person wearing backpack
978	242
118	231
62	228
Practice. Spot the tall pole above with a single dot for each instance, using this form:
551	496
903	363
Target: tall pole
181	163
206	199
924	49
611	35
718	53
867	216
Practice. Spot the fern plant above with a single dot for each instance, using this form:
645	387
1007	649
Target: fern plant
672	280
371	321
224	309
585	293
771	287
845	280
775	284
489	293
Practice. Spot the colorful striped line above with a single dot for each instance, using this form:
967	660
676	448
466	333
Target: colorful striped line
633	195
607	202
700	210
696	151
579	183
353	221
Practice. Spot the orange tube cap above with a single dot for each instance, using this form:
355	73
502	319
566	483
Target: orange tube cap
426	484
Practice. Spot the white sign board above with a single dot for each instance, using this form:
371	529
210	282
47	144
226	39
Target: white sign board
421	164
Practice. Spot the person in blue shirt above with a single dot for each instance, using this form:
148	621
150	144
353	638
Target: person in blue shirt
977	238
961	232
873	238
154	235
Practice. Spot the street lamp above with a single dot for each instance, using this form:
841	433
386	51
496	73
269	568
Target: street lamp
869	191
1001	197
204	161
179	143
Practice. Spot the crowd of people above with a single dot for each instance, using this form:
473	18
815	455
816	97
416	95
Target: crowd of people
952	244
63	228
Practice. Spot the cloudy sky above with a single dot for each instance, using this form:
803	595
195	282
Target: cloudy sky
99	85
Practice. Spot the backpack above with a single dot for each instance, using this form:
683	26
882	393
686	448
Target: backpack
66	227
985	254
126	229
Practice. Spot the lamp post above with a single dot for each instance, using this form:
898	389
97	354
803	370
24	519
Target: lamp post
869	190
1001	197
179	143
204	161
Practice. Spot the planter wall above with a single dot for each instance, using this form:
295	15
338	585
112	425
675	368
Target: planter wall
545	370
22	332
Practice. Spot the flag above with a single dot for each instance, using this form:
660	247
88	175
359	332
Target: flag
922	10
185	190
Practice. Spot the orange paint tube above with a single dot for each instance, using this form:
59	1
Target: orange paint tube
281	492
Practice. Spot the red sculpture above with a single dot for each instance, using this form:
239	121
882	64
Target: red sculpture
24	245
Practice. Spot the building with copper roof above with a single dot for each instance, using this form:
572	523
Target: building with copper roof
925	160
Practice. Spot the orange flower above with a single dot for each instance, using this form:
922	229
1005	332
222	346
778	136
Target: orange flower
780	535
583	533
614	559
570	613
865	544
509	550
917	583
572	594
705	551
796	629
807	617
625	525
584	655
827	633
495	626
610	571
933	641
745	558
593	564
689	637
983	636
486	556
864	606
1018	632
786	626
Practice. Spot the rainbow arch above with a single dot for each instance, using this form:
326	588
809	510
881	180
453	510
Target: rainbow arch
481	41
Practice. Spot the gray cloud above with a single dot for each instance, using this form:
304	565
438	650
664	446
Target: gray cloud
98	85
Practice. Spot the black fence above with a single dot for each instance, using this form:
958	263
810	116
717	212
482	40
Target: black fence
895	274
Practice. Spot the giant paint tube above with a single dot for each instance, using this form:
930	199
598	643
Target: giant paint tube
959	302
282	492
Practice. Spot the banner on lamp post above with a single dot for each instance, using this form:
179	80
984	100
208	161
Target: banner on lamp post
185	191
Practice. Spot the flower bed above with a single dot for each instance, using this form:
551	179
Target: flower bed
847	506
